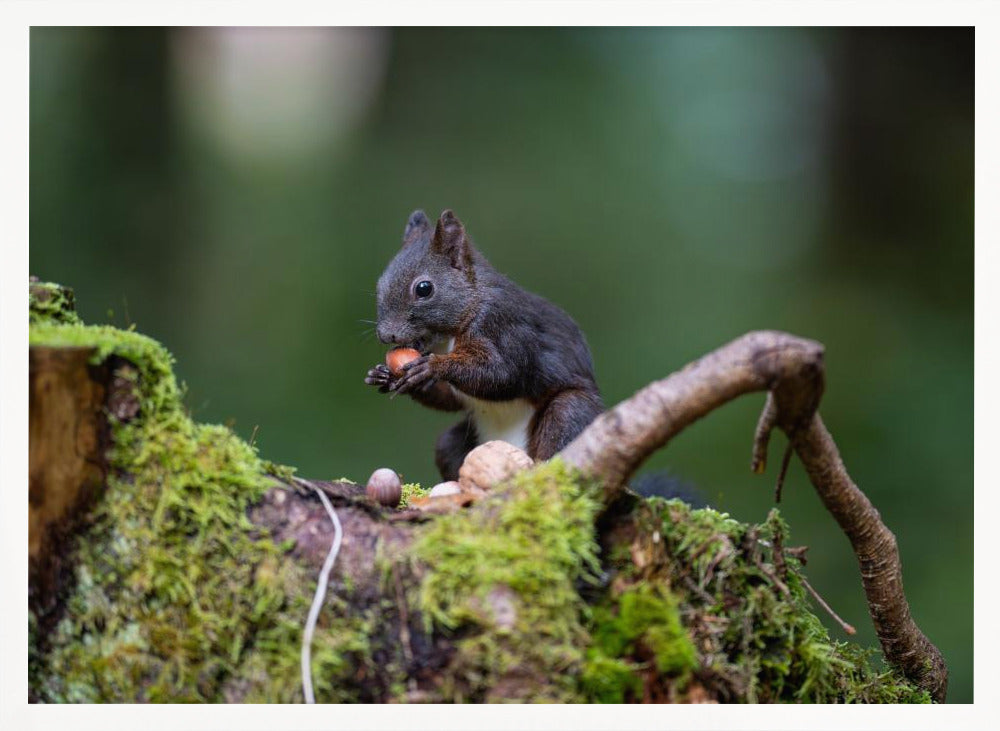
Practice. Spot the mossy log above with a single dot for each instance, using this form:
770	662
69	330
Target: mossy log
169	562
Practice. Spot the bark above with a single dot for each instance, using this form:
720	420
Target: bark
621	439
903	644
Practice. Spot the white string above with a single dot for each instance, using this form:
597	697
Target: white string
317	604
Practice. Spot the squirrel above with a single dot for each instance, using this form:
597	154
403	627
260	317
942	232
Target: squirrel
518	365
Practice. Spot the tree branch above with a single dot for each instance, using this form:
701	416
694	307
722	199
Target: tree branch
903	644
621	439
791	369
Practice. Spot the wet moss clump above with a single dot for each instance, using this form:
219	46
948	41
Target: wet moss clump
741	600
176	596
412	490
501	580
48	302
643	623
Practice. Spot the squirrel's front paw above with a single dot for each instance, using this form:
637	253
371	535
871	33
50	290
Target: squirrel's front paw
416	373
381	377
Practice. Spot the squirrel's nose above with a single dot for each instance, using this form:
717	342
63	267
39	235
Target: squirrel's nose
384	334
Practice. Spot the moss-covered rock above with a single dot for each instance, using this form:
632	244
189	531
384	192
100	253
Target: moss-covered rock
49	302
749	634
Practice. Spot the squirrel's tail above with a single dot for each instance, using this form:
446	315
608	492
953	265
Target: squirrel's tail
665	485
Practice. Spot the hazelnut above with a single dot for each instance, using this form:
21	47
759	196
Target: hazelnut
399	357
384	487
492	463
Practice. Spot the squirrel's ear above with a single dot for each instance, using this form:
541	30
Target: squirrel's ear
451	241
416	227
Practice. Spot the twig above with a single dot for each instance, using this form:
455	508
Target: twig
785	459
317	604
704	595
613	446
762	435
848	628
778	548
773	577
751	543
798	553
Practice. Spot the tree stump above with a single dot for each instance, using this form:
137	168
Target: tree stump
169	562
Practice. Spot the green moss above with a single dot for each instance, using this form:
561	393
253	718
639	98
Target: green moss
270	673
639	629
647	616
502	579
758	641
177	597
410	491
48	302
609	679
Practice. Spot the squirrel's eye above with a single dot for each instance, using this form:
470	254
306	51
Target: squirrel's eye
424	289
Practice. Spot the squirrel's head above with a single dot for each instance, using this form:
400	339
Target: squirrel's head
429	288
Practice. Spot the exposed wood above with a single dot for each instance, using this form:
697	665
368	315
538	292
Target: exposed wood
67	434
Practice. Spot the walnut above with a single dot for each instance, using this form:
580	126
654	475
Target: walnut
492	463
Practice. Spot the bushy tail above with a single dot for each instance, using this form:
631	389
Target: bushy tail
665	485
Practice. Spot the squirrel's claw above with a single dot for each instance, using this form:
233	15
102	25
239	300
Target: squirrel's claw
415	374
379	376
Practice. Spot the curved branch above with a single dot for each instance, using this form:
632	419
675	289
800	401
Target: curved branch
621	439
791	369
903	644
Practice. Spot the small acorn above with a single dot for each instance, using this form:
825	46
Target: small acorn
399	357
385	487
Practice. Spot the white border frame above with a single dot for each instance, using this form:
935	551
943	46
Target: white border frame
17	16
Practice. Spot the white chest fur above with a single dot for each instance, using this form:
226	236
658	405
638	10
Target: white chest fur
507	421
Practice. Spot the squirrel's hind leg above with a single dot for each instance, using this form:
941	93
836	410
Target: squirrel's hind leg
453	445
560	421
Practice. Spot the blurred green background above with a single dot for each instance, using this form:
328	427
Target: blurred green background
235	193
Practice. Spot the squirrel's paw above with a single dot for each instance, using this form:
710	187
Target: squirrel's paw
416	373
381	377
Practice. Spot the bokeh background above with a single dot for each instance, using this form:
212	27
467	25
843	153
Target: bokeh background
235	193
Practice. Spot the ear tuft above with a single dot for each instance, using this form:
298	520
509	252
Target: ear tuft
450	240
416	226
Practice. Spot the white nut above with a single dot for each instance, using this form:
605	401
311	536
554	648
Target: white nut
445	488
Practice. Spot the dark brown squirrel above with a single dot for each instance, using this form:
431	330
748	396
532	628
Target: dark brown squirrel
514	362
